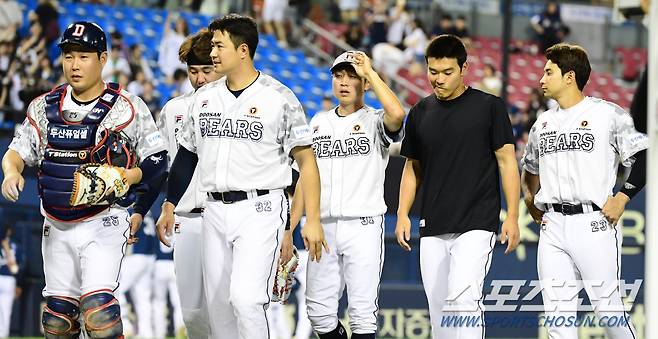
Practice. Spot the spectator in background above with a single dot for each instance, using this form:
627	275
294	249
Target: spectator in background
548	26
171	41
399	24
490	83
123	79
136	86
445	26
115	65
354	35
48	16
151	98
462	31
377	22
46	73
29	49
11	19
273	18
117	40
138	61
536	105
349	10
416	42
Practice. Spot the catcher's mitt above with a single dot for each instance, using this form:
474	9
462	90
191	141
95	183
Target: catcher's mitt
96	184
285	275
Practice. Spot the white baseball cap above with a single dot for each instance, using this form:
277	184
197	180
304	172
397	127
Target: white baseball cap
345	58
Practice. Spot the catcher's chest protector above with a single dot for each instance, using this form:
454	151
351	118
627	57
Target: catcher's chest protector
72	142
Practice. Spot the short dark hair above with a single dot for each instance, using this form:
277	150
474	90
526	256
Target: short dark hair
447	46
241	29
571	58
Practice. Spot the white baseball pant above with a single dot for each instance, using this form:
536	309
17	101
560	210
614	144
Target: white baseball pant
578	250
189	277
355	260
453	267
83	257
137	278
241	243
164	282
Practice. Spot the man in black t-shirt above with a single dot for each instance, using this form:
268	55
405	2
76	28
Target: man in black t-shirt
458	144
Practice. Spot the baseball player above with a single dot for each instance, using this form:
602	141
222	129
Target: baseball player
10	262
352	138
459	146
242	130
137	278
164	283
569	172
90	140
195	52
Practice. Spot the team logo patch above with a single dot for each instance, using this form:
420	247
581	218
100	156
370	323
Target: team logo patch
543	125
177	227
356	128
421	223
315	129
253	110
204	103
46	230
543	225
584	123
156	160
178	119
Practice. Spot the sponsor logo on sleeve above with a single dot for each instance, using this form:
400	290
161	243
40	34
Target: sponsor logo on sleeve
154	138
301	132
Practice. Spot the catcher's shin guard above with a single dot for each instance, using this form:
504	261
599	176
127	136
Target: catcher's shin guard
338	333
60	318
102	315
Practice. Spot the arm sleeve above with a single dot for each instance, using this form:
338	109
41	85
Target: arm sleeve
626	140
294	130
153	166
410	147
530	159
387	137
148	193
180	175
638	176
501	128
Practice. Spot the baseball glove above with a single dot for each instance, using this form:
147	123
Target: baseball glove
285	276
96	184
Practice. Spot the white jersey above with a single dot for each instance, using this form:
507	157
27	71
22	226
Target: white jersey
170	122
140	130
352	154
243	143
576	151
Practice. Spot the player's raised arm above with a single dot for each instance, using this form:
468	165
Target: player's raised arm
309	176
393	111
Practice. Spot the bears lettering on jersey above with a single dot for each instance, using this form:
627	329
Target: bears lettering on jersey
552	142
212	125
324	147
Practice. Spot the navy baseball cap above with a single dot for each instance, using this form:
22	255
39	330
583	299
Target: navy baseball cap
345	58
86	34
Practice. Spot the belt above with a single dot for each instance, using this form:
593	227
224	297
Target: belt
570	209
197	210
235	196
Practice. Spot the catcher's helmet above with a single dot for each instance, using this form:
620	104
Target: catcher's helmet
86	34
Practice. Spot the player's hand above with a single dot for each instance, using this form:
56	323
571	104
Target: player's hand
536	214
165	224
510	234
361	63
314	241
614	207
403	232
135	222
286	247
12	186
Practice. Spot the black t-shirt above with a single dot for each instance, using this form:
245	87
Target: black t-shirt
455	142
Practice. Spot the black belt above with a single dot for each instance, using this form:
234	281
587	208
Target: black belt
570	209
197	210
234	196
